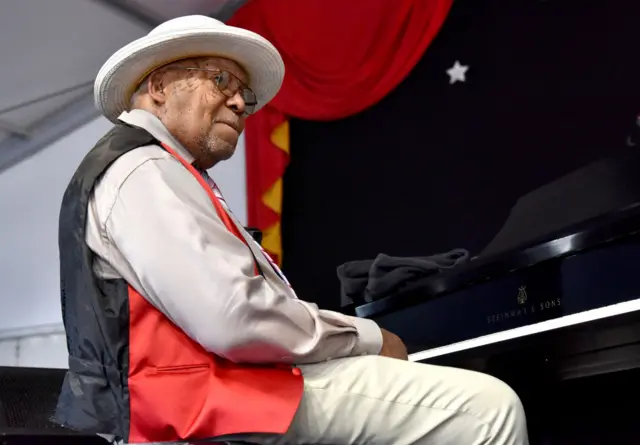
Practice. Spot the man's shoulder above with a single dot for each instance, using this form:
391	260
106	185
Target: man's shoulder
128	163
152	161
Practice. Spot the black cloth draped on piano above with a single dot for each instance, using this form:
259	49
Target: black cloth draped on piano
370	280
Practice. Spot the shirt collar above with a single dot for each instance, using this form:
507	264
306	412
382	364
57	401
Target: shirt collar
149	122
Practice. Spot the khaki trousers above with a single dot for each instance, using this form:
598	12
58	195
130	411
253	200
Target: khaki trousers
382	401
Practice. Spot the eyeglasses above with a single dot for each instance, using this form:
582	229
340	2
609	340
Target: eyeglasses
229	85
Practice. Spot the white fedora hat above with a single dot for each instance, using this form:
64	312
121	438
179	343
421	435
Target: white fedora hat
182	38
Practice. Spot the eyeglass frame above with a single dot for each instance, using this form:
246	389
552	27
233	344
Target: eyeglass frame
242	86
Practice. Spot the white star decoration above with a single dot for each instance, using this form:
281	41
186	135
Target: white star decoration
457	72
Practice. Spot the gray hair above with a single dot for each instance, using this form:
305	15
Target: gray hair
142	89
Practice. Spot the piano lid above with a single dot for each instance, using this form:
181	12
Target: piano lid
602	187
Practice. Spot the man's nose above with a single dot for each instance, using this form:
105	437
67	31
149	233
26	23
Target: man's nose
236	104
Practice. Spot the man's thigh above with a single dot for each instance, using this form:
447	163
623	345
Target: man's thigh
377	400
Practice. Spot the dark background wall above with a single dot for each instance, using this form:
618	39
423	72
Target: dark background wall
552	85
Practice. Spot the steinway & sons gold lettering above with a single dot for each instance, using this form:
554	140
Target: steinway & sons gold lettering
523	308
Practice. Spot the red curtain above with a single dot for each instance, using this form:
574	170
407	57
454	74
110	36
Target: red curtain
341	57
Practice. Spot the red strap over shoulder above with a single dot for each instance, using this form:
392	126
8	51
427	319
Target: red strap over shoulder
222	213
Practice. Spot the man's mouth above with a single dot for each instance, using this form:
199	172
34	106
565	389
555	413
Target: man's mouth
229	124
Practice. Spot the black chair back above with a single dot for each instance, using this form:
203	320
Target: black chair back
28	398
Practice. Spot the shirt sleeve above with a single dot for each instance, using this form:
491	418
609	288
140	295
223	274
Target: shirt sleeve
201	276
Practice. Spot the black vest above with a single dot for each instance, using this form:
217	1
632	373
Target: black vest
94	396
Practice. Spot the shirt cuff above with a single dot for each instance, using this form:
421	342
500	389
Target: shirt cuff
369	337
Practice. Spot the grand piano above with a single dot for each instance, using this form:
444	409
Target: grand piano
551	305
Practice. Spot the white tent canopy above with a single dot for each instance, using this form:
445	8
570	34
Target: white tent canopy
51	51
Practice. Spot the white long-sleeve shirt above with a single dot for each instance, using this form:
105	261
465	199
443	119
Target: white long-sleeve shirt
151	223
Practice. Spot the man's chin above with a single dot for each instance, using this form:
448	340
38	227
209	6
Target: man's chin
224	150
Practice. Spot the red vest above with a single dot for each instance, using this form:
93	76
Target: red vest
167	388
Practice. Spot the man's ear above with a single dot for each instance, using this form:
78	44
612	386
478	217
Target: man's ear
156	86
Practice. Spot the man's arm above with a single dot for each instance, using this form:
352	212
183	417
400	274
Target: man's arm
201	276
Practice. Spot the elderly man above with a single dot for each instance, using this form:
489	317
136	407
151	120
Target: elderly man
179	327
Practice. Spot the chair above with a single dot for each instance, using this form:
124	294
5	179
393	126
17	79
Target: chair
28	398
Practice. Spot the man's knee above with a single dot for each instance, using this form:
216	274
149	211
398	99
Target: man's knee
499	392
471	395
501	406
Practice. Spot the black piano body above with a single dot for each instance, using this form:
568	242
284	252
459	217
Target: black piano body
551	306
588	274
568	254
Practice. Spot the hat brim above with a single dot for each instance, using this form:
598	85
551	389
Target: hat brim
121	74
